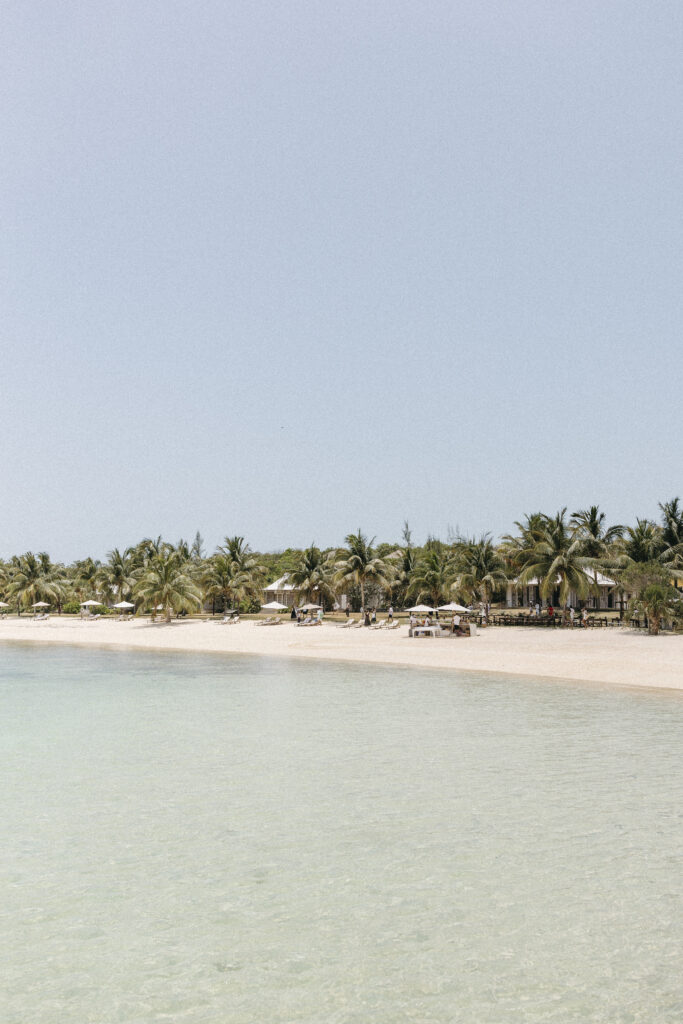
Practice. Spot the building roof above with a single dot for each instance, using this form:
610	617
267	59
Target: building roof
602	581
280	585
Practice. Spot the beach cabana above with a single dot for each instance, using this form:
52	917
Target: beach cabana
282	591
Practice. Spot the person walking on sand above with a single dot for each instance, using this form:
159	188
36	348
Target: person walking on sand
391	613
584	618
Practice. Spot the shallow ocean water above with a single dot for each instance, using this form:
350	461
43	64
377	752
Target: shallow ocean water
207	839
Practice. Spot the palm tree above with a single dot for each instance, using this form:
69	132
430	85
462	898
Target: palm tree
166	581
672	532
642	542
313	575
360	565
597	538
34	578
480	570
116	575
652	594
225	579
433	575
85	576
556	560
517	549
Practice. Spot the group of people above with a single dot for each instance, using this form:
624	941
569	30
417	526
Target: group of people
369	615
302	618
570	613
455	623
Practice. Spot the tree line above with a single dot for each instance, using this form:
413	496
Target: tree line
563	553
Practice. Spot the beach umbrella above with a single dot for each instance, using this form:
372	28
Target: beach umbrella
40	604
124	604
421	608
452	607
91	604
274	606
3	604
310	607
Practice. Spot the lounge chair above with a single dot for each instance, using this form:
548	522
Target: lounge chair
347	624
358	625
378	625
393	625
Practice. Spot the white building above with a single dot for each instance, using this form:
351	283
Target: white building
282	591
528	594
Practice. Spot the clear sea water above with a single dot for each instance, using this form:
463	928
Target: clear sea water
203	839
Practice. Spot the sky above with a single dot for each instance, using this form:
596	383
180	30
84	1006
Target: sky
285	270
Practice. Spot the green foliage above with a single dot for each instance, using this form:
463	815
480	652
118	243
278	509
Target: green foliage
653	595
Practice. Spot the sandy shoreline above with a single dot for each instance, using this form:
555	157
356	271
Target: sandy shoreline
614	656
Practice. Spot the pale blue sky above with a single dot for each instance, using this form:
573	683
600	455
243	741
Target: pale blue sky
286	269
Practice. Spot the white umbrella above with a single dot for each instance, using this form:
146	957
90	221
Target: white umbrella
452	607
310	607
91	604
3	604
421	608
40	604
274	606
124	604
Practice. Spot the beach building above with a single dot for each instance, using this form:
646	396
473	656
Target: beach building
603	597
283	591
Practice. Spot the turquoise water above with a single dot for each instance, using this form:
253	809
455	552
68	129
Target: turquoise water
205	839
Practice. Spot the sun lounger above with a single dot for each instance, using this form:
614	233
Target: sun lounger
393	625
358	624
378	625
347	624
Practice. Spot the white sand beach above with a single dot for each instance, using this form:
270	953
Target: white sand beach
617	656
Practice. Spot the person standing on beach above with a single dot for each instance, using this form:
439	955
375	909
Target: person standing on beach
391	613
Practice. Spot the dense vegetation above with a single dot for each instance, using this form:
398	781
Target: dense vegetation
564	553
